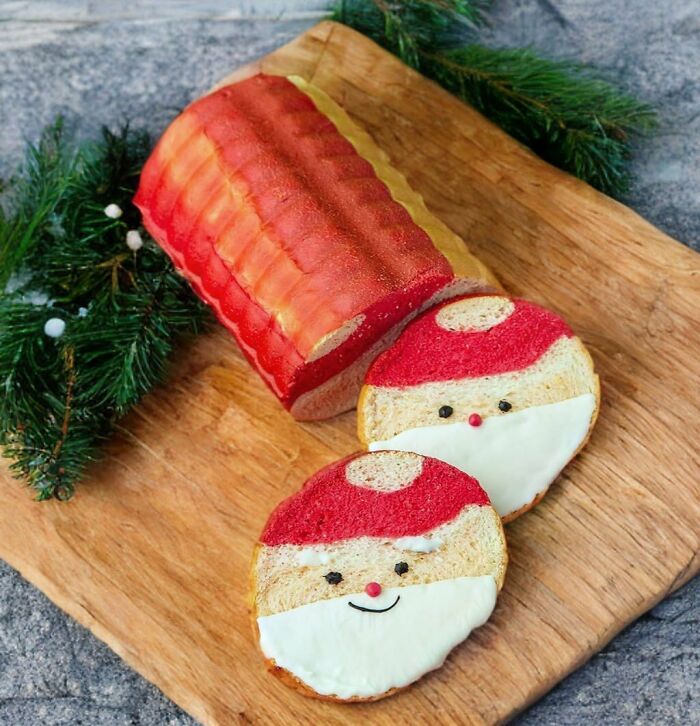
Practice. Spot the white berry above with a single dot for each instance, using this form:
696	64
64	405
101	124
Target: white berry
82	312
113	211
54	327
133	240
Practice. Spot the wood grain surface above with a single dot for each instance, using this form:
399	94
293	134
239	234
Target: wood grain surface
152	554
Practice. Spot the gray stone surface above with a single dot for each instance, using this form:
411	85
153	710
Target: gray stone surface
100	60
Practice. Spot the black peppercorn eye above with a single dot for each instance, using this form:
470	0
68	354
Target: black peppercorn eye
505	406
333	578
401	568
445	411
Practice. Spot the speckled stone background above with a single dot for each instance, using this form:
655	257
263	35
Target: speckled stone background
97	62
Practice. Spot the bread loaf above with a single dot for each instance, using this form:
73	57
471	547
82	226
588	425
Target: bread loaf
291	224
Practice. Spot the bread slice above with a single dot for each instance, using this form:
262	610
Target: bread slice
372	548
290	222
497	386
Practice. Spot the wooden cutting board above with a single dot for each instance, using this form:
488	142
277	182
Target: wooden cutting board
152	554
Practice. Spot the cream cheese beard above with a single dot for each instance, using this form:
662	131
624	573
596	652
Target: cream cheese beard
515	456
339	650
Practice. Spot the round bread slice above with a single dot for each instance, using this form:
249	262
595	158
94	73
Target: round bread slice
499	387
365	579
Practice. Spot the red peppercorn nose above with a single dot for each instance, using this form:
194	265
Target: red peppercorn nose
373	589
475	420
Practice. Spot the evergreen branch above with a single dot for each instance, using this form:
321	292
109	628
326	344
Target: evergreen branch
405	26
47	169
573	120
559	109
123	310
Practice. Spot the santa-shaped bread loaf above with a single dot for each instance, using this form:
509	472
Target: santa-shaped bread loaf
497	386
365	579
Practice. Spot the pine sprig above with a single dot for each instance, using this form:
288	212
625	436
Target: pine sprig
62	257
560	109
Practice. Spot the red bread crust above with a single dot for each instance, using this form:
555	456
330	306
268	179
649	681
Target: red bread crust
329	509
284	230
513	345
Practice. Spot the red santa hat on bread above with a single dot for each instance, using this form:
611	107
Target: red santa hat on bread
441	347
362	496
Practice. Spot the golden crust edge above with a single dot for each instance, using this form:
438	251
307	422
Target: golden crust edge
449	244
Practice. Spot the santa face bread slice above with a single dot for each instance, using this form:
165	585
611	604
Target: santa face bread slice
496	386
367	578
291	224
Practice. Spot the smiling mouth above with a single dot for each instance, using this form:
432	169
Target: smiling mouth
372	610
